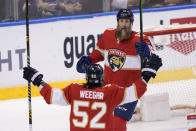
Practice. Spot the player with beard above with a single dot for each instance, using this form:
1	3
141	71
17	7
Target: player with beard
123	33
122	63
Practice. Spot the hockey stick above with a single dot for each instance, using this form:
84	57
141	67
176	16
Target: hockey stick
141	22
28	64
141	31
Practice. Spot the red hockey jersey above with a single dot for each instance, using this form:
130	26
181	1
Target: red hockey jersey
122	64
92	109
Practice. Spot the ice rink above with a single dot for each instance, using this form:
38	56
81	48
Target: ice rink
14	117
14	113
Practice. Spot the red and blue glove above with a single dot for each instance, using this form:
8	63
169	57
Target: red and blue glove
83	63
142	49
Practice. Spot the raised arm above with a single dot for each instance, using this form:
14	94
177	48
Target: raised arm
137	90
51	95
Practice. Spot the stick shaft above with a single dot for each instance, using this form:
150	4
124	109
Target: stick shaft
141	31
28	63
141	22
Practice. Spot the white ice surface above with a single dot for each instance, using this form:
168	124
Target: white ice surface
14	117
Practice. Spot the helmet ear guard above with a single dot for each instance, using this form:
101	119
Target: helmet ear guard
125	14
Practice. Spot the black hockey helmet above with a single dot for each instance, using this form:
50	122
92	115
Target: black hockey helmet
94	75
125	14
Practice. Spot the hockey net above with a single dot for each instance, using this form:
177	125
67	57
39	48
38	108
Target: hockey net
176	45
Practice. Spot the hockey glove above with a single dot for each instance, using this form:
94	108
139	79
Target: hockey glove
142	49
83	63
31	74
150	67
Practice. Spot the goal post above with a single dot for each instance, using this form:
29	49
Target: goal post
170	31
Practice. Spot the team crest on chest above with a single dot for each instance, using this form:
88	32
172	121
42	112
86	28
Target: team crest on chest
116	59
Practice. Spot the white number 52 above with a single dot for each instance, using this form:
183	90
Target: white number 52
85	119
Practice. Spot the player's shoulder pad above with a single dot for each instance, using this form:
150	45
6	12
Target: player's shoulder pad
75	84
137	34
110	29
112	85
108	85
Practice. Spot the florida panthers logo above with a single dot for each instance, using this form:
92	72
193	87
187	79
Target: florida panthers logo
116	59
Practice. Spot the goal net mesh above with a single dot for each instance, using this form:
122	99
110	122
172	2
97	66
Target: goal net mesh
176	45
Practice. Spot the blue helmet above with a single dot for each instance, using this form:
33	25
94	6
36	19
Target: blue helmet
94	74
125	14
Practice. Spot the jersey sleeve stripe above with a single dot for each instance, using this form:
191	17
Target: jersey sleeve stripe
65	99
100	50
51	96
135	90
58	97
130	95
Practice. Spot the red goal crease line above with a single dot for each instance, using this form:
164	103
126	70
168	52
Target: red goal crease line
170	31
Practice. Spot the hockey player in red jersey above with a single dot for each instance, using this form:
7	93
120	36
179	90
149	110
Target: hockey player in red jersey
122	64
91	106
